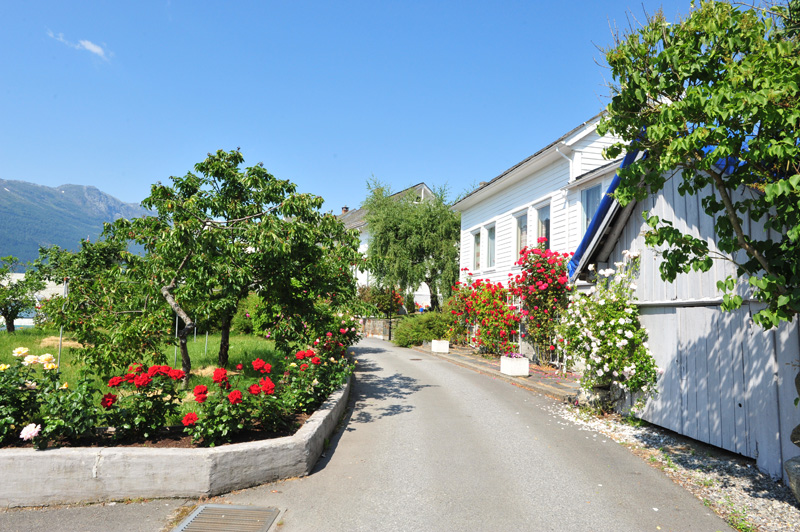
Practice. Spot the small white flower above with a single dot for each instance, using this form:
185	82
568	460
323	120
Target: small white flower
633	286
29	360
619	264
30	385
628	334
30	432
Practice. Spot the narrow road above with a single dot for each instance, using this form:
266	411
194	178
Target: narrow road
432	446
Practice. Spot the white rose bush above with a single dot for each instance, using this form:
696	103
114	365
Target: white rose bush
602	329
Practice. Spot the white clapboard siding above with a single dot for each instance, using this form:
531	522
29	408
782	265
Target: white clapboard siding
726	381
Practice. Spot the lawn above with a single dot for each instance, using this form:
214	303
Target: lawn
243	350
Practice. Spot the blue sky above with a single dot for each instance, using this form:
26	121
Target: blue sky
120	95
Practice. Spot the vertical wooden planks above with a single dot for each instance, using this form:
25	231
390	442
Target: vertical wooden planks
787	351
727	390
714	363
702	322
661	325
687	334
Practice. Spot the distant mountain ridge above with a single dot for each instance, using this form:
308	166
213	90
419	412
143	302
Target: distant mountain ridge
35	215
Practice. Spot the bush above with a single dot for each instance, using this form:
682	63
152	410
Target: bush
414	330
242	321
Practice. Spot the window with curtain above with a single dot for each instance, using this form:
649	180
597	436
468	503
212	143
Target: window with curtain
476	251
590	200
490	247
522	233
543	224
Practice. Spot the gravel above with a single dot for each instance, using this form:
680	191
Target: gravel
730	484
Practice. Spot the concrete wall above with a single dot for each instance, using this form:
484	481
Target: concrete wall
74	475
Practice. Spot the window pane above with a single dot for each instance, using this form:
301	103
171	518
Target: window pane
543	224
522	232
490	247
590	198
476	252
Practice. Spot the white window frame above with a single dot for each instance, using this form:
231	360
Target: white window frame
491	246
585	218
519	244
476	250
537	209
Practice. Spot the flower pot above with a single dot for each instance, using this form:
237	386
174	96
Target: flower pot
440	346
516	367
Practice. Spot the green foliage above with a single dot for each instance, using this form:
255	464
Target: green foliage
16	297
311	378
412	240
424	327
713	99
69	414
602	329
113	308
18	399
243	319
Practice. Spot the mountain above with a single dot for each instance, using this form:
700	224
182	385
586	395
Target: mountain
34	215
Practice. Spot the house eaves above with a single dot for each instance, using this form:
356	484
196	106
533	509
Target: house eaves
522	168
604	229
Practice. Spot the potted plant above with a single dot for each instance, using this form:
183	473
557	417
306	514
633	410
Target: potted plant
515	365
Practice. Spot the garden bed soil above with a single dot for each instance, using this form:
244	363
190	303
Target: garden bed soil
171	437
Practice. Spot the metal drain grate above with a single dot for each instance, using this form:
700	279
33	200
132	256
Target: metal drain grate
225	518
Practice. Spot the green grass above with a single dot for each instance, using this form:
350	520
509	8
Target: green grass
243	350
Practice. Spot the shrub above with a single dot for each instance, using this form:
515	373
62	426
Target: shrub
542	290
425	327
603	330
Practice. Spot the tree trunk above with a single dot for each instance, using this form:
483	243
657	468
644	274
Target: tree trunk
9	323
186	362
224	342
434	295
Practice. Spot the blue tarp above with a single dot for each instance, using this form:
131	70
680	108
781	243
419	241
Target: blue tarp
605	204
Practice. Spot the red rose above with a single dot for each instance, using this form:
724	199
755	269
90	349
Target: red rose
254	389
300	355
142	380
189	419
128	377
235	397
176	374
200	389
267	385
343	331
113	382
316	361
239	366
303	367
200	397
310	353
328	334
220	375
108	400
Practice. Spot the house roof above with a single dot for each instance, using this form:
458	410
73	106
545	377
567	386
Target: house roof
538	154
356	219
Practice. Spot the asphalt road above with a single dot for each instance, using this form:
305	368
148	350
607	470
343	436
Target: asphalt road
431	446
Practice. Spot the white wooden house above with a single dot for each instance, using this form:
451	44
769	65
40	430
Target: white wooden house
726	381
356	219
553	193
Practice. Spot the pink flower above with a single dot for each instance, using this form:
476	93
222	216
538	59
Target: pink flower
30	432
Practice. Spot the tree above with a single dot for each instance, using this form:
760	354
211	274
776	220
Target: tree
222	232
713	100
113	306
16	297
412	241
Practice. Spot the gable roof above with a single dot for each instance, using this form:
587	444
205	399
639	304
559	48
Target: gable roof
356	219
469	198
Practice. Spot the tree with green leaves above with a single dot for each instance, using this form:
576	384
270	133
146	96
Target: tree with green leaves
412	241
113	307
17	296
224	231
713	100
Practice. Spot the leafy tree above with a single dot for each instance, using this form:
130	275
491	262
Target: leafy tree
223	231
714	99
17	296
412	241
113	307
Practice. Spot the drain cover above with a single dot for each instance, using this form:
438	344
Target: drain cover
226	518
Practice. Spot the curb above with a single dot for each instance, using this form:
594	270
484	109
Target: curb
527	384
94	474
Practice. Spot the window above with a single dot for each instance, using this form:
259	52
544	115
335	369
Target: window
522	232
490	247
543	224
476	251
590	200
